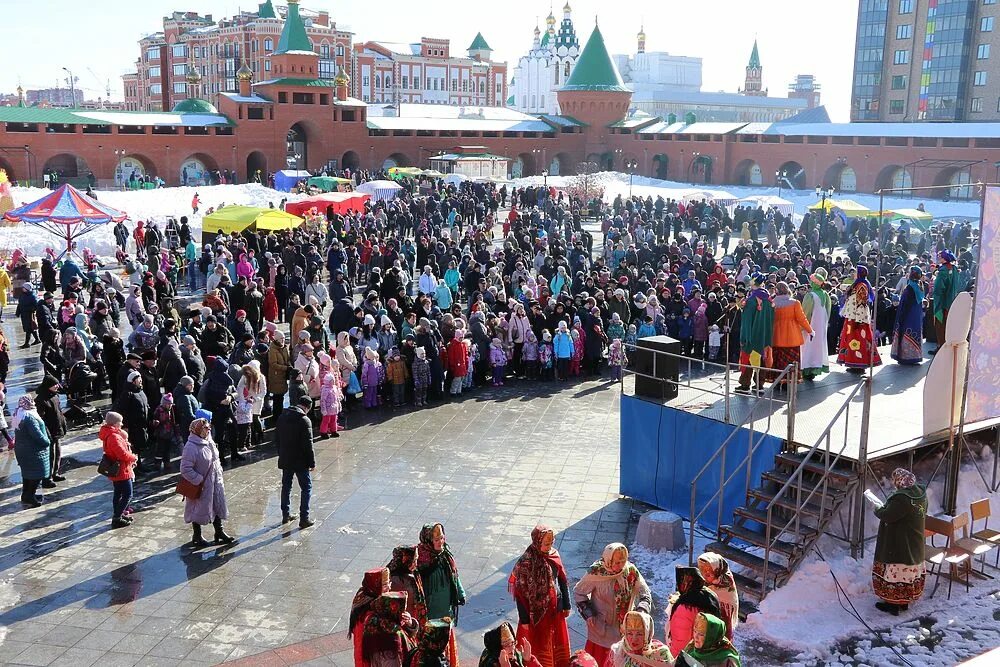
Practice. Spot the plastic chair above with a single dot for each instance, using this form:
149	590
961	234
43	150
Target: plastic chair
980	509
950	554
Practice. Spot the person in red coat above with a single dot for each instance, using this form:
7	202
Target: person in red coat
540	589
457	362
117	448
270	307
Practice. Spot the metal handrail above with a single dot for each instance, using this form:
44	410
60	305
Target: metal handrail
797	475
789	371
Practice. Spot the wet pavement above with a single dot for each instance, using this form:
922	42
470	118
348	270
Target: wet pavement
490	466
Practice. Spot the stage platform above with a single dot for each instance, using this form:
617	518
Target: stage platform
896	424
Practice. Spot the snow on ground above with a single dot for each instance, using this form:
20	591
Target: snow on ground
617	183
156	205
8	598
804	620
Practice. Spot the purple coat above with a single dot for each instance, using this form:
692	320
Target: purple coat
200	463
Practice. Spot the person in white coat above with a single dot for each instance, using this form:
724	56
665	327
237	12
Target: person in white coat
816	305
428	283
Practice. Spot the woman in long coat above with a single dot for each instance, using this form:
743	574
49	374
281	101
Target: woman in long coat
908	331
857	341
540	589
31	447
816	306
200	465
898	566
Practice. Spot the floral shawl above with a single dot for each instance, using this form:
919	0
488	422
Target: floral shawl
490	656
371	588
383	631
626	584
532	582
427	557
402	561
430	652
653	654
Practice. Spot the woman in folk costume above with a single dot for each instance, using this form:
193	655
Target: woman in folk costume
816	305
389	633
373	584
637	647
710	647
719	579
502	651
540	588
756	336
789	323
611	588
908	331
432	649
692	596
404	578
857	344
442	586
898	567
947	285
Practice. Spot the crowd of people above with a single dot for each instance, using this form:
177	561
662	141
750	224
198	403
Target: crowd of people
286	337
404	615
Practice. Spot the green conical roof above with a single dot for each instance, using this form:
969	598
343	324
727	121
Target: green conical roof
595	70
293	35
265	10
754	57
545	39
479	44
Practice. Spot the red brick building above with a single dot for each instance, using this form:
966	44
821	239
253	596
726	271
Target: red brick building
299	117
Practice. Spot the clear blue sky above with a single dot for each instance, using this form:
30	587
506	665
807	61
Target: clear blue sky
97	40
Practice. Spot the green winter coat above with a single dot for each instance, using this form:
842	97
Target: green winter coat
901	527
756	324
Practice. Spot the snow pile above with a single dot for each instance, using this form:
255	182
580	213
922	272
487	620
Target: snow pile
8	598
617	183
155	205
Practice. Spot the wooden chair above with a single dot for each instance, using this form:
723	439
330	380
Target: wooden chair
955	558
980	509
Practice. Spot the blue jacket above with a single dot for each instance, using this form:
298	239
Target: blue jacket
685	327
69	270
562	345
31	447
645	330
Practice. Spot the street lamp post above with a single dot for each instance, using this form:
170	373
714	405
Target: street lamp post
120	166
823	193
72	87
167	175
630	167
545	201
536	153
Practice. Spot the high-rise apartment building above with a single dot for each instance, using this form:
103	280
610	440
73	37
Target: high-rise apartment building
927	60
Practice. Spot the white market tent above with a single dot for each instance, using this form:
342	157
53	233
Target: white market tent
455	179
380	190
766	202
720	197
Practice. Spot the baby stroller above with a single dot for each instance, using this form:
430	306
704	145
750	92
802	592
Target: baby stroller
79	385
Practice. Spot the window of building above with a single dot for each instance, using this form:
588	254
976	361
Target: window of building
454	85
324	51
901	57
905	6
153	53
267	65
465	86
155	89
989	2
405	81
179	70
364	81
977	105
899	82
482	87
416	83
980	78
387	81
154	71
435	81
180	87
986	24
340	50
983	52
566	70
269	44
179	51
896	106
904	31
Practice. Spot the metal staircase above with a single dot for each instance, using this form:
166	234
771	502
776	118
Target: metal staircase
771	534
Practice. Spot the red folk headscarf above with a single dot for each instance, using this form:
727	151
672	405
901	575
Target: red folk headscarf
371	589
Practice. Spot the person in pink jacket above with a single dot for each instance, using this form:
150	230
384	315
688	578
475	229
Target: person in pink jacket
692	596
330	398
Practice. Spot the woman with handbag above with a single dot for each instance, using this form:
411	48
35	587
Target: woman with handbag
202	486
117	464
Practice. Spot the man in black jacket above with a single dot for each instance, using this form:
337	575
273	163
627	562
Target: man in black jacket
293	436
47	403
133	406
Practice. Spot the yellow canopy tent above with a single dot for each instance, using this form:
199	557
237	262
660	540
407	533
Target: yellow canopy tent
239	218
851	208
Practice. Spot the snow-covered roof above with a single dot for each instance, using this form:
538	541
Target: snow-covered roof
707	127
929	130
447	117
252	99
709	98
401	48
156	118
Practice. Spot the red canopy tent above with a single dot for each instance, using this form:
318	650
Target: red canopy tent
342	202
66	213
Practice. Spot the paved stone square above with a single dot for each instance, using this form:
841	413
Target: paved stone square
490	466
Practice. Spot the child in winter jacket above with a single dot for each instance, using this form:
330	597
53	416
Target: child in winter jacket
498	362
615	329
458	362
546	356
472	355
700	332
631	337
577	358
165	428
3	418
243	408
685	332
421	377
529	355
330	398
296	387
371	378
616	359
396	374
714	342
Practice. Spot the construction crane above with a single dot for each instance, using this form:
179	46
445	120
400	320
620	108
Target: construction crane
107	83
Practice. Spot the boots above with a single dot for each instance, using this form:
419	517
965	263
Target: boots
220	535
198	542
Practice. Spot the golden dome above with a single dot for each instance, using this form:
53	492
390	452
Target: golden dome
244	73
341	79
192	75
550	20
567	8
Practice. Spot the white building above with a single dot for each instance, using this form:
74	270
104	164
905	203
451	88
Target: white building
546	67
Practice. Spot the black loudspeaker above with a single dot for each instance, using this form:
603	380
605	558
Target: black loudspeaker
653	381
